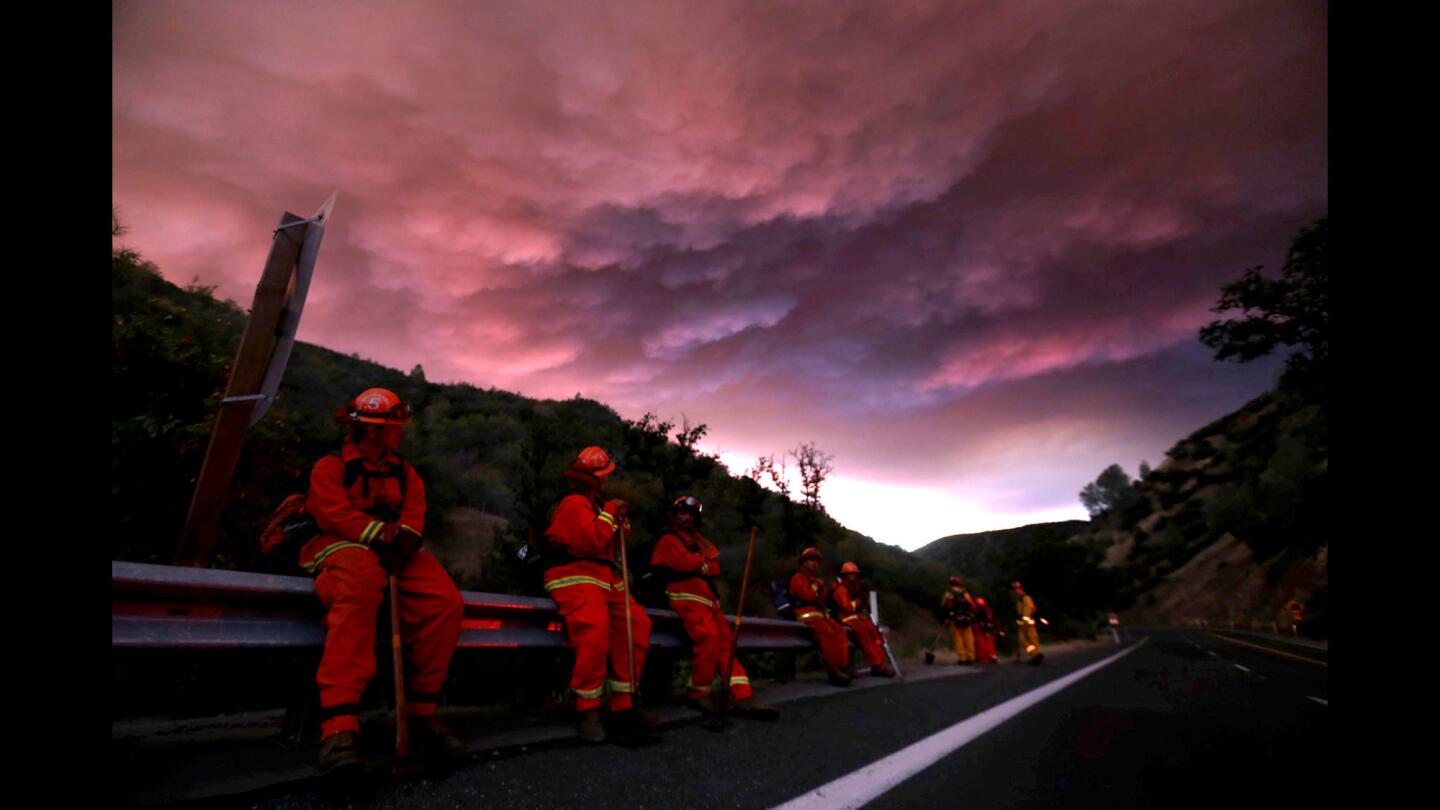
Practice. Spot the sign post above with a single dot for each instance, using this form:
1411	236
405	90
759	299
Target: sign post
255	374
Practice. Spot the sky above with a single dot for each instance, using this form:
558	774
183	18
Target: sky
963	247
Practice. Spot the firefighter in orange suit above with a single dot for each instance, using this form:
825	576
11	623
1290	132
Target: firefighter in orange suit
1029	637
849	598
984	633
808	593
584	579
960	615
689	563
369	505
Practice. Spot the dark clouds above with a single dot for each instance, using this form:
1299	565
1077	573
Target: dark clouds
858	223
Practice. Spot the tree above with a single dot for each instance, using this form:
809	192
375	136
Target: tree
765	467
1293	310
815	467
1111	489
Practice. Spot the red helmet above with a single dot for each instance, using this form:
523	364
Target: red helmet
849	568
810	553
596	461
378	406
980	600
957	582
688	503
1016	585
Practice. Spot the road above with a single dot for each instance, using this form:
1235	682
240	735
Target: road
1175	718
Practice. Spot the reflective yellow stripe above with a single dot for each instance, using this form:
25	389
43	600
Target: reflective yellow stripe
565	582
605	516
739	680
591	693
327	551
411	528
620	686
852	617
371	532
694	688
689	597
810	615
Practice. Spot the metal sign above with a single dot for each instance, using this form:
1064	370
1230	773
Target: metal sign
294	304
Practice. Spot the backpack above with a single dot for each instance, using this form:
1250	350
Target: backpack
291	527
780	597
535	556
962	611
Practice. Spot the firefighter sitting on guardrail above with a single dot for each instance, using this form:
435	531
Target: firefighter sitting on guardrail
689	563
849	598
581	575
369	506
809	593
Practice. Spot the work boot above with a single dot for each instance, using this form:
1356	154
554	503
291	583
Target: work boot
1037	658
838	677
340	753
646	718
590	727
704	704
754	709
882	671
432	739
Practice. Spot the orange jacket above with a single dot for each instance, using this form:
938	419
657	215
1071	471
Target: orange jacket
847	603
808	593
688	553
582	529
347	515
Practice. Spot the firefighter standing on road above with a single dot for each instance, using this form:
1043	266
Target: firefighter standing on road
1029	638
985	633
960	615
808	592
584	579
849	597
369	505
689	563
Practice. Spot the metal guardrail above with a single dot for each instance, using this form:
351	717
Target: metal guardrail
175	607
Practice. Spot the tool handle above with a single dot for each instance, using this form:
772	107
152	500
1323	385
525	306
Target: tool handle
735	636
402	728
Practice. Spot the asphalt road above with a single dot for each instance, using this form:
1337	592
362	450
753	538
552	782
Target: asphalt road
1186	719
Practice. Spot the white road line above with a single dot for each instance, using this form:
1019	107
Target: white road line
1212	653
1242	669
861	787
1321	701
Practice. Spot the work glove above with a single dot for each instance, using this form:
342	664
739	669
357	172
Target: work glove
618	509
395	545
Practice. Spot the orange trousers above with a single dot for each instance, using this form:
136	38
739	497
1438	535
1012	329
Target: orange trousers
352	586
867	635
710	643
595	623
963	639
830	635
985	648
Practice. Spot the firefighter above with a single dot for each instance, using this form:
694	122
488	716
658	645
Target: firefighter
850	597
985	633
689	563
960	615
808	593
369	505
1029	638
583	577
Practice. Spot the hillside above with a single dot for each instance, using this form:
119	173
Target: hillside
491	459
1233	525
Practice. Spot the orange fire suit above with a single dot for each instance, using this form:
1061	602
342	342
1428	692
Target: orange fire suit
962	635
866	633
352	585
693	598
1029	640
985	635
591	594
808	594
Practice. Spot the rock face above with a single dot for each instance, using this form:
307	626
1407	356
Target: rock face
1232	527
